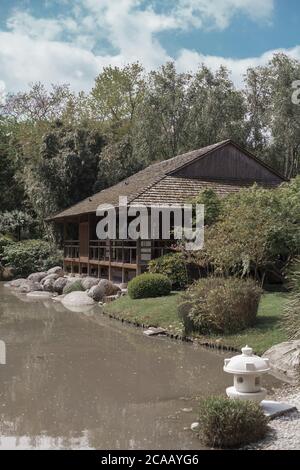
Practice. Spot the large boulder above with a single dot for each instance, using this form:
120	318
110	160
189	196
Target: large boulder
60	284
56	270
17	282
39	295
88	282
29	286
36	277
49	276
73	285
6	274
285	361
109	287
77	299
48	285
96	293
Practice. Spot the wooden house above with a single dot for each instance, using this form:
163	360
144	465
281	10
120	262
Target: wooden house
224	167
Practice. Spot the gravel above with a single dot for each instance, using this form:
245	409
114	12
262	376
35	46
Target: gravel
284	431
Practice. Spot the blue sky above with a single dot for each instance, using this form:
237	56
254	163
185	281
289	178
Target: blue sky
70	41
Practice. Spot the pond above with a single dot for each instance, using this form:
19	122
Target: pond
81	380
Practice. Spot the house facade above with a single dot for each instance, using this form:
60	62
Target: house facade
223	167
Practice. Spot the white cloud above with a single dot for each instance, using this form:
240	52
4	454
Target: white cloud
66	49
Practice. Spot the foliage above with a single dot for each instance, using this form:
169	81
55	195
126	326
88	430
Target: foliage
14	222
257	231
273	119
67	171
149	285
219	305
291	317
212	205
28	256
75	286
4	241
172	265
225	423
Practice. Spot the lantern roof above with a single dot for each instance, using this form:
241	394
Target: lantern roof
246	363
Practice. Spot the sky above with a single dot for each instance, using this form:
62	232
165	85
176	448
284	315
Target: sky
70	41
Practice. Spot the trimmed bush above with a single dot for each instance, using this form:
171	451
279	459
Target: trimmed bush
219	305
226	423
149	285
75	286
172	265
28	256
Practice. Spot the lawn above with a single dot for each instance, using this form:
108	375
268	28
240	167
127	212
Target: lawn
162	312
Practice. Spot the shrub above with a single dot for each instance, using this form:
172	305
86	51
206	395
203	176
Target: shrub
149	285
229	423
291	315
4	241
219	305
28	256
75	286
172	265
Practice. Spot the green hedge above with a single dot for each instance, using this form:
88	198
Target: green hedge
172	265
30	256
226	423
219	305
149	285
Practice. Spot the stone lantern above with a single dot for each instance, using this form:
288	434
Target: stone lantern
247	370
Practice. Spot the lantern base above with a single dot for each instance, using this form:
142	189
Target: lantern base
254	396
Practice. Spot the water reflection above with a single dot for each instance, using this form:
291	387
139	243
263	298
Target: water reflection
80	380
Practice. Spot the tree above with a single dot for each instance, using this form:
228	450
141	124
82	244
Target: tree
217	110
14	222
67	171
274	120
116	96
12	191
160	131
255	233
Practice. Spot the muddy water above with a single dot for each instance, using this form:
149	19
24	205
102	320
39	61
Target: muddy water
80	380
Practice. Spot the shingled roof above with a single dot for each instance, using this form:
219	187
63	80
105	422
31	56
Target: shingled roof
156	185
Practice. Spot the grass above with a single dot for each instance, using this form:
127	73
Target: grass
162	312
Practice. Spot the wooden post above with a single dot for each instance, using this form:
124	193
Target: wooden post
88	263
109	260
138	257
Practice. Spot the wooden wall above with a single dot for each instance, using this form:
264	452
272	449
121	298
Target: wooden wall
228	163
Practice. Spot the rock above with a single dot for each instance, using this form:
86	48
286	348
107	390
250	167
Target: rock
96	293
195	426
152	331
29	286
58	298
6	274
36	277
285	361
17	282
110	298
49	276
89	282
56	270
48	285
72	281
109	287
39	295
59	284
77	299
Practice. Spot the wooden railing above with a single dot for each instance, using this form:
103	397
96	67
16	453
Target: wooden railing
71	249
117	251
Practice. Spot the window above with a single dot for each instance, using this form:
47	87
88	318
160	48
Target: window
240	380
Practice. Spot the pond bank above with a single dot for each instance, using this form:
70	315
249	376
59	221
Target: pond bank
162	312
